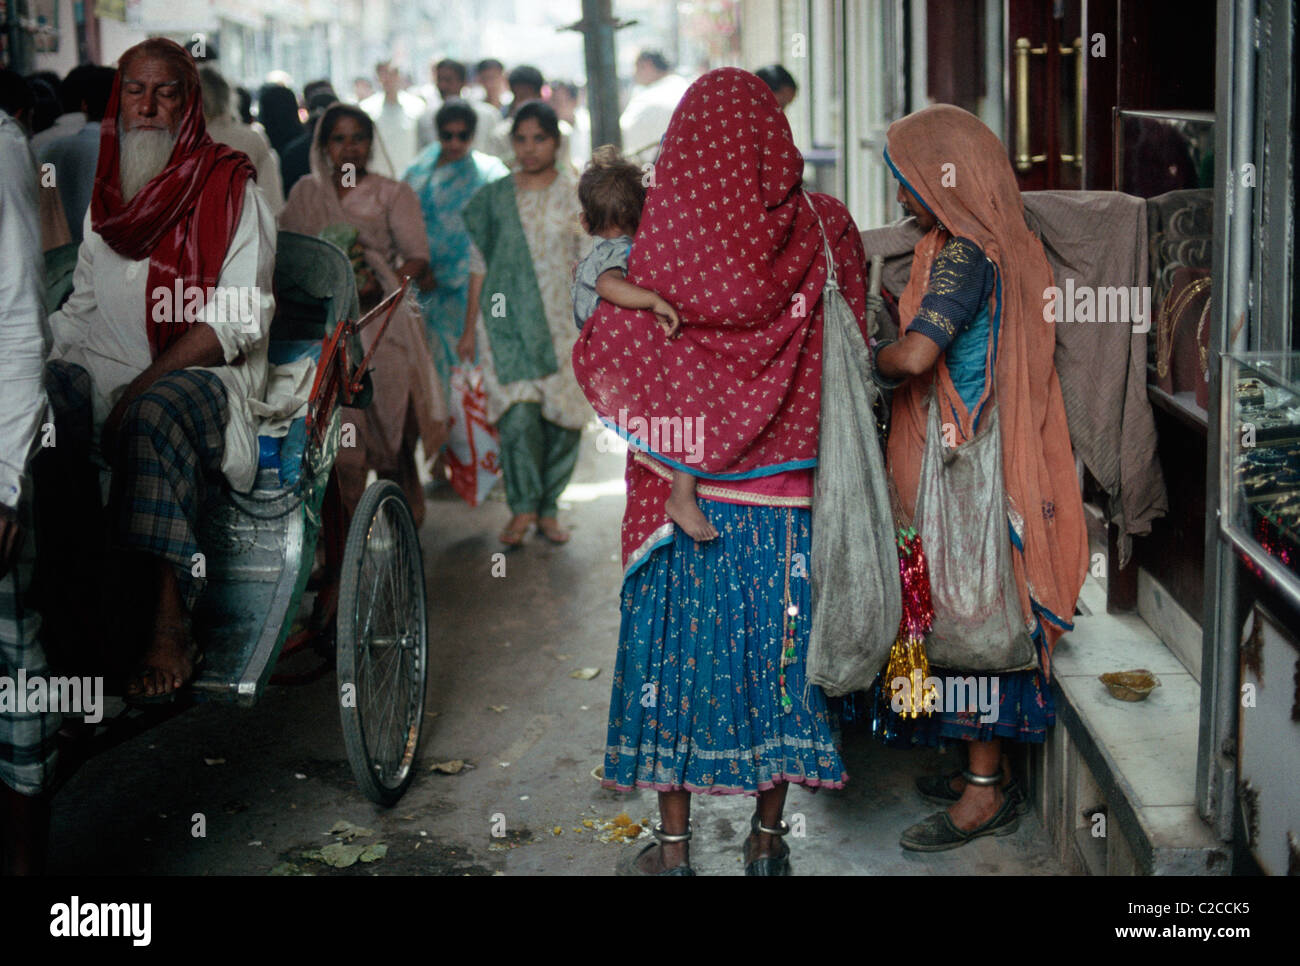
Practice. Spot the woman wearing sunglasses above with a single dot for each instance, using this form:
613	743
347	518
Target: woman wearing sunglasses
445	176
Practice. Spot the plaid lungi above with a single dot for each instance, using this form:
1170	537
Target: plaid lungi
167	459
28	740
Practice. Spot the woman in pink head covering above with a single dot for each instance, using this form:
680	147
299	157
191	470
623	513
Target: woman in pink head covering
379	219
710	692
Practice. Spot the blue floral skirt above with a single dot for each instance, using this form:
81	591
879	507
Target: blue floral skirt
696	701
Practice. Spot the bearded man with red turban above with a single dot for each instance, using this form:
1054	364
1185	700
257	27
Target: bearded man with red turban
158	352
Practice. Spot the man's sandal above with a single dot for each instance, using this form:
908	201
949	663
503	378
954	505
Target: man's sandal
938	833
555	533
778	864
629	863
514	536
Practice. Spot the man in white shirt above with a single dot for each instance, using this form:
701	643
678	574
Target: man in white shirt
74	157
449	78
163	341
526	85
71	93
226	128
564	99
28	750
648	111
490	74
396	113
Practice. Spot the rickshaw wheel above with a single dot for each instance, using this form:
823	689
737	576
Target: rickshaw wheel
382	635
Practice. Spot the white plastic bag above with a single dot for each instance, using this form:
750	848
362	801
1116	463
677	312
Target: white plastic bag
472	449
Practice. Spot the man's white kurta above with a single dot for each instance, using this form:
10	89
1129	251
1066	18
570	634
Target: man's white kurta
23	336
101	327
246	138
646	117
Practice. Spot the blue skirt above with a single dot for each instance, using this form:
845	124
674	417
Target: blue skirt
1025	712
696	701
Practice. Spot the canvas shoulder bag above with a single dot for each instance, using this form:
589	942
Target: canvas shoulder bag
961	515
856	596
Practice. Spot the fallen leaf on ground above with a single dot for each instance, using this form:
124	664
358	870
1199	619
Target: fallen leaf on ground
585	673
336	854
449	767
286	868
498	708
347	831
373	853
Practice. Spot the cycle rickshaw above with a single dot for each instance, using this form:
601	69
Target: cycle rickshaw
268	591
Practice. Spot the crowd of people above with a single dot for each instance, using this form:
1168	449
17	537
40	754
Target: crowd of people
576	285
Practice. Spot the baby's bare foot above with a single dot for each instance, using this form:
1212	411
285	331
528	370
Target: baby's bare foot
686	514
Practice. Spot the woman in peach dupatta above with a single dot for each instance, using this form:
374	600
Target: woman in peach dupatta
973	327
390	242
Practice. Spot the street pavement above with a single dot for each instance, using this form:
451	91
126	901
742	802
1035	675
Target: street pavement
269	785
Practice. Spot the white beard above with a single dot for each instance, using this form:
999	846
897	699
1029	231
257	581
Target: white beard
141	156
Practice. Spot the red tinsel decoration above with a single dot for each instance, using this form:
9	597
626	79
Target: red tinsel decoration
918	611
907	660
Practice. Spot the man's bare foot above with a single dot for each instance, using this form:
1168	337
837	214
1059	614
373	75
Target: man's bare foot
552	530
686	513
169	663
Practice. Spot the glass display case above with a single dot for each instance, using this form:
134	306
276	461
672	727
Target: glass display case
1260	472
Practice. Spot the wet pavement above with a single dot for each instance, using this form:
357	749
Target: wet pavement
266	785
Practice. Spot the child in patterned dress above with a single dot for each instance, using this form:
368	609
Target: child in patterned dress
612	194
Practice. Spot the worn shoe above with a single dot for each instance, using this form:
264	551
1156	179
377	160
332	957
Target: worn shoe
776	864
938	833
937	790
629	863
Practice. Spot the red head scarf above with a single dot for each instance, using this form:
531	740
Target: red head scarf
182	220
729	237
959	169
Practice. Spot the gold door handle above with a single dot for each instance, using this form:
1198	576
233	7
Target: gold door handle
1076	49
1023	159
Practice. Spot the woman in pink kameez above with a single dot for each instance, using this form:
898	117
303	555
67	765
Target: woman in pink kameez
341	198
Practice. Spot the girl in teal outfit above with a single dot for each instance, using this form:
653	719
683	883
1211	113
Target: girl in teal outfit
445	176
